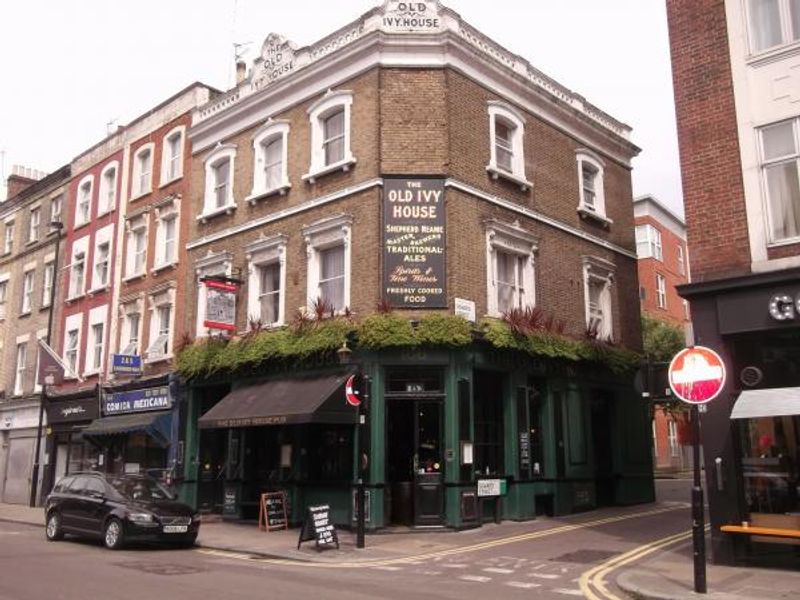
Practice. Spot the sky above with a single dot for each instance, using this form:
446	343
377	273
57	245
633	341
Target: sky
70	68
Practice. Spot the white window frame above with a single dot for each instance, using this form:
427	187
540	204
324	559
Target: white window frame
134	227
599	271
261	253
40	335
140	186
681	260
20	365
84	191
8	242
512	239
4	279
787	37
318	112
48	280
221	153
167	158
321	235
164	213
80	246
672	437
102	236
34	223
107	198
57	202
270	131
515	121
97	362
793	158
220	264
130	338
597	209
648	242
28	286
158	301
661	291
97	316
73	323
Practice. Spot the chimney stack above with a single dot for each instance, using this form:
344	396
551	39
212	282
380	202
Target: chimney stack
241	71
20	178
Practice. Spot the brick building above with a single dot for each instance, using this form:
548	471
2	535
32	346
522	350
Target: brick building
408	161
27	275
738	136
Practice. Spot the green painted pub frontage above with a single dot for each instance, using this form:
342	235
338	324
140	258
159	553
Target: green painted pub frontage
451	438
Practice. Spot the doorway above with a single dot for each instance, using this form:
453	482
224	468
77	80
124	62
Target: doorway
602	431
415	465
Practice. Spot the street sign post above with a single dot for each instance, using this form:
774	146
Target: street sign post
697	376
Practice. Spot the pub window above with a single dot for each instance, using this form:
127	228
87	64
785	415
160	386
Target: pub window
330	134
488	423
330	453
506	132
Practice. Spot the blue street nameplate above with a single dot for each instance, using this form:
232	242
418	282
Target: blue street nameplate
126	364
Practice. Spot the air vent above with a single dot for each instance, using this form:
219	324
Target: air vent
751	376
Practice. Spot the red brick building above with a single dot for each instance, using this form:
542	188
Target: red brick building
738	135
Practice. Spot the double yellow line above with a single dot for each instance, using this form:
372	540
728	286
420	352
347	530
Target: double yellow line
594	579
443	553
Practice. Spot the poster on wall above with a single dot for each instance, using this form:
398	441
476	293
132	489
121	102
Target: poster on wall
220	305
414	266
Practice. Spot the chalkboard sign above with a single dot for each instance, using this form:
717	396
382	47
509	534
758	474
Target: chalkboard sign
272	514
230	501
318	527
524	451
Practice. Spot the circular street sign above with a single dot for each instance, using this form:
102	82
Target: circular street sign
350	394
696	375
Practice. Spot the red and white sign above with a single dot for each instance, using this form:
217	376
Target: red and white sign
220	305
697	375
350	393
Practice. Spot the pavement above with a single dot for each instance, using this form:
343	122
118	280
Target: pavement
665	575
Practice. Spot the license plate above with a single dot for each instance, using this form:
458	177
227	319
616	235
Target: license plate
176	528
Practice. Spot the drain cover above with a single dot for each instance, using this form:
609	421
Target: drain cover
161	568
585	557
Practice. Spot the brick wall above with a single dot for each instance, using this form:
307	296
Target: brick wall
707	137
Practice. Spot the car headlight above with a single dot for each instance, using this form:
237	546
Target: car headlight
140	517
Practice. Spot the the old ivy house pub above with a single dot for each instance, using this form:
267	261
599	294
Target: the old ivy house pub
408	191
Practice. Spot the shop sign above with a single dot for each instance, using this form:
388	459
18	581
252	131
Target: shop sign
126	364
414	274
492	487
782	307
148	399
220	305
70	411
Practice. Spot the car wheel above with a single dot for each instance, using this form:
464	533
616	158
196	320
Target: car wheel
113	535
53	529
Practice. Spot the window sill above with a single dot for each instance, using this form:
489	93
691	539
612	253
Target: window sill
31	242
496	173
75	297
44	307
25	313
138	195
255	196
158	359
105	212
224	210
79	225
768	55
158	268
135	276
342	165
173	180
98	290
588	213
91	373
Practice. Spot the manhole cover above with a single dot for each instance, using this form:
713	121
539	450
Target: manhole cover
585	557
161	568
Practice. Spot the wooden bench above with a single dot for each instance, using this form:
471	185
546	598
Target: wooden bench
765	531
776	529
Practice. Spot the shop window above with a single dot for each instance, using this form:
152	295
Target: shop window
598	277
328	248
330	134
510	254
506	155
270	171
267	280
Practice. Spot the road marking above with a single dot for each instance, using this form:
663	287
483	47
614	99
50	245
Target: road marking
595	577
417	559
545	575
522	584
568	592
389	568
475	578
498	570
455	565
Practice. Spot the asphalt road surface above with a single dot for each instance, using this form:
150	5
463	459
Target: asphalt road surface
532	567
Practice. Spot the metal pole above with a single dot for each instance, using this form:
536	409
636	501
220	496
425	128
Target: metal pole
698	516
43	398
360	491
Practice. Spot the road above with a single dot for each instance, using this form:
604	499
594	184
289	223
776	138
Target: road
525	564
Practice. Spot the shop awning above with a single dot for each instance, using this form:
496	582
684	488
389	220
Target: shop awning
289	400
155	424
774	402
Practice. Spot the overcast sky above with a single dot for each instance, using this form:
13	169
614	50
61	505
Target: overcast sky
70	67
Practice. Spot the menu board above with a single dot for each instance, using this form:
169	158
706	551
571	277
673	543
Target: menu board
272	514
414	265
317	526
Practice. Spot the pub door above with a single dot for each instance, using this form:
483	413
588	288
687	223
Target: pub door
415	462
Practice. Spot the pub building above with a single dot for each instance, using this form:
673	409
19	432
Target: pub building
373	205
751	432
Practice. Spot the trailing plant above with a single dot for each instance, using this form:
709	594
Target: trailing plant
451	331
385	330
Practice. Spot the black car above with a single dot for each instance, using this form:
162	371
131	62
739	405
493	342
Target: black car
118	509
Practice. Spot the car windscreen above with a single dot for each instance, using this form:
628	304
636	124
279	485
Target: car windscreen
141	489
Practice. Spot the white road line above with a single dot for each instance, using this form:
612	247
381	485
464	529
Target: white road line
522	584
475	578
498	570
430	572
545	575
389	568
455	565
569	592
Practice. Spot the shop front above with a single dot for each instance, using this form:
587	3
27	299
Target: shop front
137	429
452	438
18	422
751	433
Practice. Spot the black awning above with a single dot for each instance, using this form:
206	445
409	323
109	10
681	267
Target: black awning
317	398
155	424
